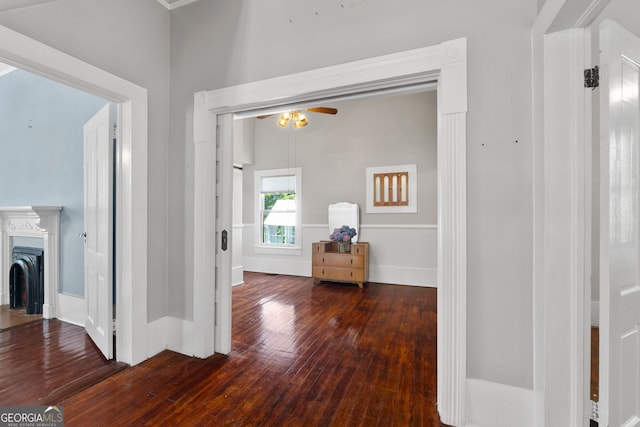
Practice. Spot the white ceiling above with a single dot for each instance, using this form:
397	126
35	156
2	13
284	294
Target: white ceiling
17	4
173	4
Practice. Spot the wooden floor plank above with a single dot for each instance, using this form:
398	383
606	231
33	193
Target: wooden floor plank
45	360
302	354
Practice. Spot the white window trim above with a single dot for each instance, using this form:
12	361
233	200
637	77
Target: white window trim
260	247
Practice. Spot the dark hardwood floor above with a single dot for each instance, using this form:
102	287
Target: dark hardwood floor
303	354
44	361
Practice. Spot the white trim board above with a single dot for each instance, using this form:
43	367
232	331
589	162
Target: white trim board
566	262
410	276
445	63
171	333
131	174
71	309
498	405
559	394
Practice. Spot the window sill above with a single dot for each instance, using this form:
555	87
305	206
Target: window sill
276	250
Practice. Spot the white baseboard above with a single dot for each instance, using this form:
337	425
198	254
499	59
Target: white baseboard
170	333
427	277
157	335
237	275
274	265
490	404
595	313
71	309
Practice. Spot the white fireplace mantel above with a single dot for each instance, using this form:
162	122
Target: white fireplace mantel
32	221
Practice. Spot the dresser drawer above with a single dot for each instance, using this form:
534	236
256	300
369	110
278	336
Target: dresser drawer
339	274
338	260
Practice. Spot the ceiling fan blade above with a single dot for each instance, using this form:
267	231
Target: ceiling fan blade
324	110
265	116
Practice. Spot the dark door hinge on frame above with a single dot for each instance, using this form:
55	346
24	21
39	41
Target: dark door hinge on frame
592	77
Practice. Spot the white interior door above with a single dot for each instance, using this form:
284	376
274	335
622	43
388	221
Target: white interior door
98	222
619	225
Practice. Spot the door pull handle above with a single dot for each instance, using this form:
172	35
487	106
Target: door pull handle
225	240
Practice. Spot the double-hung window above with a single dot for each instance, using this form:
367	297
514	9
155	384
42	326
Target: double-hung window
278	202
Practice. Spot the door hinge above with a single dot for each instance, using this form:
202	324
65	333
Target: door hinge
592	77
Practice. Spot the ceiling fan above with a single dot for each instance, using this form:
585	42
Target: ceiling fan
298	118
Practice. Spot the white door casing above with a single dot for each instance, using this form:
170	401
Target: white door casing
445	64
619	226
98	229
566	228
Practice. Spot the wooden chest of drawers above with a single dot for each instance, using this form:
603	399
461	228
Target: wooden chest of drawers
329	264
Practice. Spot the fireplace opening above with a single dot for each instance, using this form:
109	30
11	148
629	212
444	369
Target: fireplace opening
26	279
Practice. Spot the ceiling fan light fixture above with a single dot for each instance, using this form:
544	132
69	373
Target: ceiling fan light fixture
300	121
283	122
284	119
297	117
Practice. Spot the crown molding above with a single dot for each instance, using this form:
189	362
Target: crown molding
19	4
170	5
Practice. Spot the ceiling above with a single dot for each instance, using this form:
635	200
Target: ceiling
17	4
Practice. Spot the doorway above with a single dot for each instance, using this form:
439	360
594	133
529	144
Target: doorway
213	123
131	175
43	165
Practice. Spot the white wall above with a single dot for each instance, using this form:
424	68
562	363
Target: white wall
218	44
334	152
131	40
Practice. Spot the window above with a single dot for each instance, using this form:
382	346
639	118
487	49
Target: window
278	209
